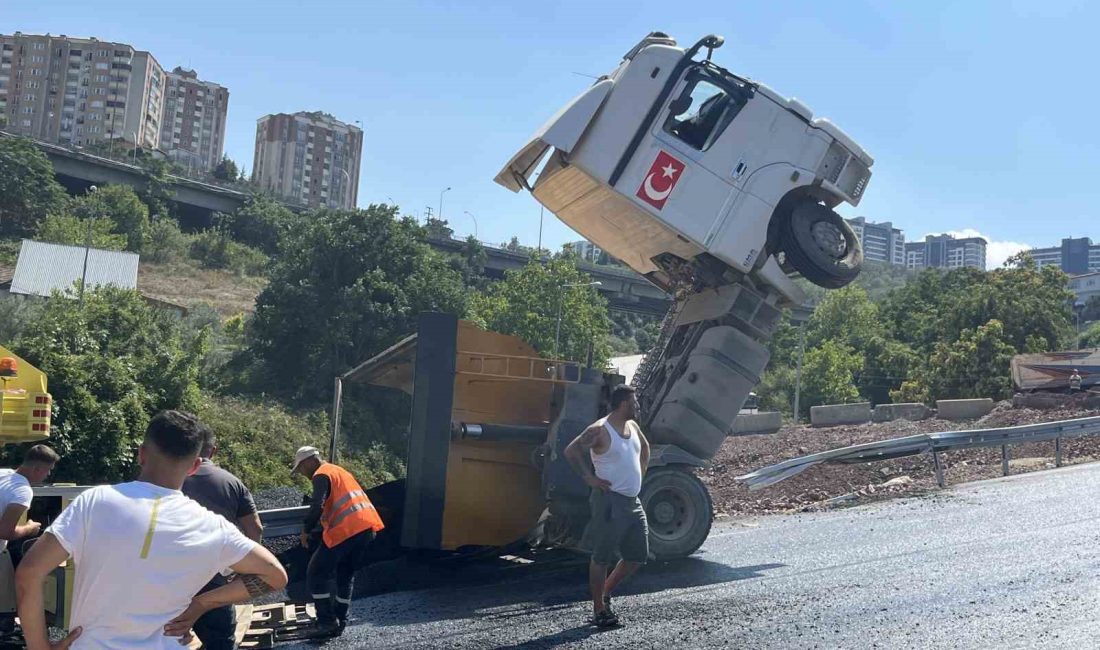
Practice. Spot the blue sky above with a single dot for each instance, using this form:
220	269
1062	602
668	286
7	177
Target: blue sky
980	115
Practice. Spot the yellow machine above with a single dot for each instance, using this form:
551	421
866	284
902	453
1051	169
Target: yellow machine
489	421
24	403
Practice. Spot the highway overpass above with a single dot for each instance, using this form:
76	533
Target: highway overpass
196	201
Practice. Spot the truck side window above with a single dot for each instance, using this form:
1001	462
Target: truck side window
700	114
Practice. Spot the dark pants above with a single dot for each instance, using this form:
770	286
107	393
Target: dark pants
342	559
216	628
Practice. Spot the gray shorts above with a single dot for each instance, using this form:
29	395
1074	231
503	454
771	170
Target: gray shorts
619	528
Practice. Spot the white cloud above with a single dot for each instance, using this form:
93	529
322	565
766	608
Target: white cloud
996	252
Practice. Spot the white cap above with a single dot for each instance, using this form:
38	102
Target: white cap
302	454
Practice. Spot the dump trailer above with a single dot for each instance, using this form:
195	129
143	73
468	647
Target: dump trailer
717	189
1051	371
485	468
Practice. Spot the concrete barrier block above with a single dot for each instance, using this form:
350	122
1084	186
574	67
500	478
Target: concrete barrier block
835	414
963	409
904	411
767	422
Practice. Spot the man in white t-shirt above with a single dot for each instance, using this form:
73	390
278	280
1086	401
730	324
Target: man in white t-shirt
142	550
16	493
15	500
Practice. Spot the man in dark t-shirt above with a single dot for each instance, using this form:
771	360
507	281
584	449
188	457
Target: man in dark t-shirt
222	493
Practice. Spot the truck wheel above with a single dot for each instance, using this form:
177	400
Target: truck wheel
820	245
679	511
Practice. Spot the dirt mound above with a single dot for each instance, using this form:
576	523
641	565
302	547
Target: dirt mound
829	484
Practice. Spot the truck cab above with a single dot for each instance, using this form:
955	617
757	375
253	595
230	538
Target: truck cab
686	171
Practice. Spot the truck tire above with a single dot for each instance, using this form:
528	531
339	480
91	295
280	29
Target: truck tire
679	511
820	245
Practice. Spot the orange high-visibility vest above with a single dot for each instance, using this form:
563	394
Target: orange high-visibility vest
347	510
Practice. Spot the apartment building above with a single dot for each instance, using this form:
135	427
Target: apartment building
882	242
946	252
1075	256
79	91
193	130
308	157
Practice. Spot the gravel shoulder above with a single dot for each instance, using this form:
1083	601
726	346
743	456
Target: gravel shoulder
866	482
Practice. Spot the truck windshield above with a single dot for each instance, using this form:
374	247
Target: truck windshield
705	108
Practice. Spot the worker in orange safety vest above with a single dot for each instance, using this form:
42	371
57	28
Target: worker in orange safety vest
349	523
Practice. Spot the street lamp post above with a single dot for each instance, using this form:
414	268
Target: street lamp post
439	215
471	214
561	299
87	248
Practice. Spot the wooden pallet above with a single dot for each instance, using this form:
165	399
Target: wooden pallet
281	622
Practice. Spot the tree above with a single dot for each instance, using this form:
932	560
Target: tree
28	189
438	229
828	375
119	205
159	188
345	285
71	231
261	223
1090	338
527	303
975	365
112	362
514	246
226	170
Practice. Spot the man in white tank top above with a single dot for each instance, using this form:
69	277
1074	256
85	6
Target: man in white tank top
614	465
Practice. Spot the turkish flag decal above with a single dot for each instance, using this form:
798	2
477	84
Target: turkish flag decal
663	175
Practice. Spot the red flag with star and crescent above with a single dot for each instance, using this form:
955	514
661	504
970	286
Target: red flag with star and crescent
662	176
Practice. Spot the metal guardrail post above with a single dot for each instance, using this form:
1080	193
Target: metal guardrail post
939	468
1058	451
1004	460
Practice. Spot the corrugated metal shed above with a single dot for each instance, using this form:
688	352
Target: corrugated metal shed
43	268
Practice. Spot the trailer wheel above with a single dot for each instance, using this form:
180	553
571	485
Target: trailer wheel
679	511
820	245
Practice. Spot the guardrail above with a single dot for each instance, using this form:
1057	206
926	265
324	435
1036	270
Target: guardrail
283	521
933	443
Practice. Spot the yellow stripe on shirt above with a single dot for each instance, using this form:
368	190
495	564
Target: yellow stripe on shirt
152	529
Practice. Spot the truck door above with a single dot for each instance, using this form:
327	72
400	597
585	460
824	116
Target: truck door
689	131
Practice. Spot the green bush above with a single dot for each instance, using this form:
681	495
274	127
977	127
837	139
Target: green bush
257	441
165	242
73	231
112	363
215	249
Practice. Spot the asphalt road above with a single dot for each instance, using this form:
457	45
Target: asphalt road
1008	563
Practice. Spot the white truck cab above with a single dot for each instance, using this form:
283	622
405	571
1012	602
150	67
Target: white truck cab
685	171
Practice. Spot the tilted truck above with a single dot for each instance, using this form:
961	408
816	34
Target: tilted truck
720	191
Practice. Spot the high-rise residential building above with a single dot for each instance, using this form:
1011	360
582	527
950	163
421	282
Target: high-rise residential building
586	250
1075	256
193	130
946	252
79	90
882	242
309	157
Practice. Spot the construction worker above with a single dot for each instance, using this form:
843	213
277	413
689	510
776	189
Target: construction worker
222	493
1075	382
349	522
15	499
611	455
142	550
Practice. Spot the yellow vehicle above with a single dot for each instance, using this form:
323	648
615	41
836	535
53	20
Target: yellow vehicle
489	422
24	402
